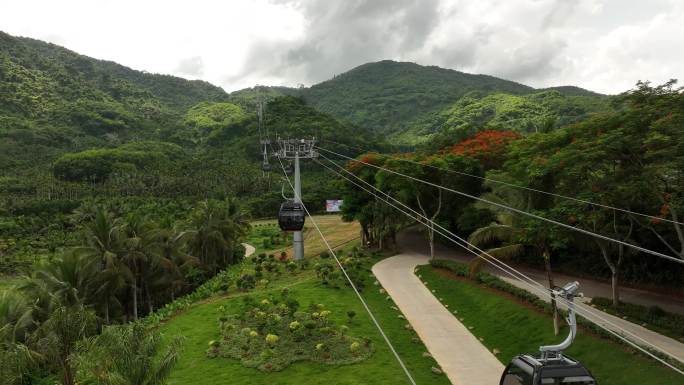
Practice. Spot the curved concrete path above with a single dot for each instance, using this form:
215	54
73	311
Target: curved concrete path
413	243
672	347
249	249
460	355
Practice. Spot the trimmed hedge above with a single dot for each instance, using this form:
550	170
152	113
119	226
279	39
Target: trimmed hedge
654	317
493	282
496	283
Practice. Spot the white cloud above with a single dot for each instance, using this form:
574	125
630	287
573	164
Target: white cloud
603	45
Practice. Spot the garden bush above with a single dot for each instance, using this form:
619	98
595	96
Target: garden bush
654	316
496	283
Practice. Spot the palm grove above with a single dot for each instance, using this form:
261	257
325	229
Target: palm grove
126	266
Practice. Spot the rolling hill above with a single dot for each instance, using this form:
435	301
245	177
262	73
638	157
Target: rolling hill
71	126
409	102
55	101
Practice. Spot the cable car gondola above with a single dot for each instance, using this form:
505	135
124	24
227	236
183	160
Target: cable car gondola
550	366
526	369
265	167
291	216
289	169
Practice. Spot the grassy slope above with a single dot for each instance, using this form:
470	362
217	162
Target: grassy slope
513	328
199	325
335	231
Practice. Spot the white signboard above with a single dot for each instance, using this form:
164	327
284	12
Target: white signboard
333	205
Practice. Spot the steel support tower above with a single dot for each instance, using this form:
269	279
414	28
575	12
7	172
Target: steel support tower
297	149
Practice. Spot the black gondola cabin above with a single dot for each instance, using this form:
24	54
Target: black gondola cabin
291	216
528	370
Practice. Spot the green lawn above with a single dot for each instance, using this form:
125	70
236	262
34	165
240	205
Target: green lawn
336	231
263	231
199	325
513	328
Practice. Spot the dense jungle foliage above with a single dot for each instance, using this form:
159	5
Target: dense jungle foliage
121	190
629	158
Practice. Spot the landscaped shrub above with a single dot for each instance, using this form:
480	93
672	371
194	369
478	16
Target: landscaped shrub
246	282
496	283
221	282
329	274
653	316
270	334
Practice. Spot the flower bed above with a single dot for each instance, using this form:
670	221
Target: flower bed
271	333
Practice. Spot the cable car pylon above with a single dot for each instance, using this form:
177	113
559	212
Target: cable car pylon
292	214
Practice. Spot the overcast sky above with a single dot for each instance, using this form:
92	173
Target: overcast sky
602	45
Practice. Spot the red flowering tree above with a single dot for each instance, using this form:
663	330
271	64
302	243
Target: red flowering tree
489	147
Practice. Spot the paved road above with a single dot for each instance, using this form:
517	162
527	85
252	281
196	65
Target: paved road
413	243
460	355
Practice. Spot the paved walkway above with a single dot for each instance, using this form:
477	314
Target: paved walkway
413	243
460	355
669	345
249	249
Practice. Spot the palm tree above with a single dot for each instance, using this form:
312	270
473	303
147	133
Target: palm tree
506	235
57	337
135	232
68	278
104	243
168	246
127	355
16	317
15	360
503	233
217	228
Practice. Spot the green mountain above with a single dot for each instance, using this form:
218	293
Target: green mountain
53	99
534	112
247	97
387	95
409	102
73	126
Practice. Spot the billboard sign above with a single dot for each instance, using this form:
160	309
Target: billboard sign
333	205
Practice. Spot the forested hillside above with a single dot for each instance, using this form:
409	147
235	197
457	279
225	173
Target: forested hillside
411	102
627	158
78	131
125	198
53	99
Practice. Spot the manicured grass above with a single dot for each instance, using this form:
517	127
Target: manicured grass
335	230
513	328
199	325
261	231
